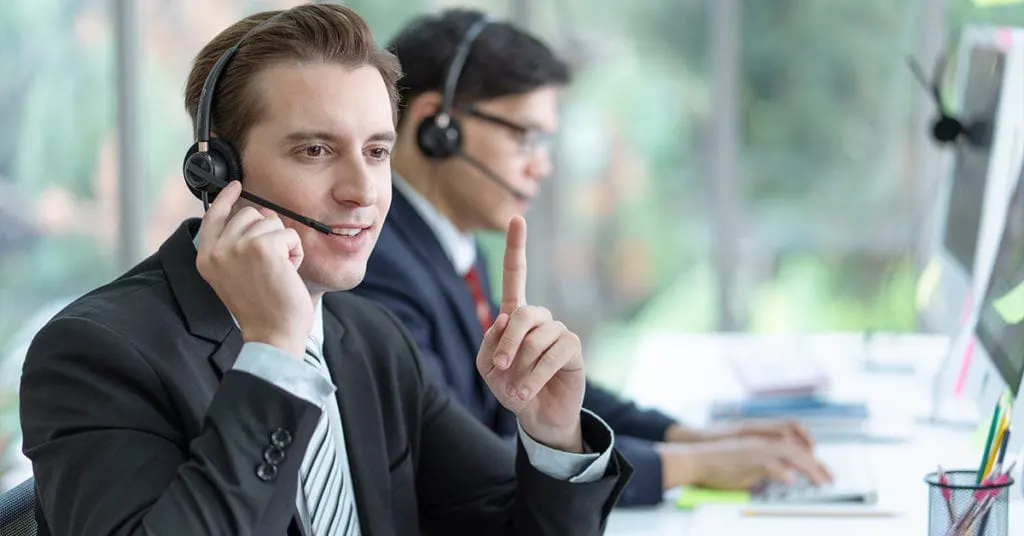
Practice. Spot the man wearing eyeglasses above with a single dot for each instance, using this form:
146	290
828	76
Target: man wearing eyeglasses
472	150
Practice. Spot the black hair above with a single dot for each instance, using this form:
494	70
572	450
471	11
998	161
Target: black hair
503	59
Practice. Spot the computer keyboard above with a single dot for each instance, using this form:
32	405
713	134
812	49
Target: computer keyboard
853	481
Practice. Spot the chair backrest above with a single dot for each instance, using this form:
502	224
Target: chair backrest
17	510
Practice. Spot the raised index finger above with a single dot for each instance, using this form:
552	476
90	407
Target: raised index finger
513	278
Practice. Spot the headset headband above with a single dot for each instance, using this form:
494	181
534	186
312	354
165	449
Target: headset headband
455	69
203	112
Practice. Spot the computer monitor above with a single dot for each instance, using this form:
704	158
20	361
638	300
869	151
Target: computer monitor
982	66
1005	115
999	330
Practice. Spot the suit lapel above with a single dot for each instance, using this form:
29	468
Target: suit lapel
361	419
205	315
422	241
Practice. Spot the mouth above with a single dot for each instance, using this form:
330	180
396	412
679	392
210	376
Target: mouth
348	230
350	239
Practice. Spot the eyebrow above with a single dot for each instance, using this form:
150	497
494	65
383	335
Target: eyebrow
304	136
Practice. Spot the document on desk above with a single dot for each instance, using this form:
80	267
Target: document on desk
817	511
720	520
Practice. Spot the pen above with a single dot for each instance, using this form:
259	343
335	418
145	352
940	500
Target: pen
962	526
946	493
1000	479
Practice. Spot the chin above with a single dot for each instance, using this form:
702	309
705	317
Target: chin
343	276
500	221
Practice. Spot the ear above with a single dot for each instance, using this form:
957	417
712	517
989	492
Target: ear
424	105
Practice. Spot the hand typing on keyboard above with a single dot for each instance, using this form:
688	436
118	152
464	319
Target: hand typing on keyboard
852	482
770	429
740	463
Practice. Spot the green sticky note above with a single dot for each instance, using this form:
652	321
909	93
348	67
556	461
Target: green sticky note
927	284
1010	306
692	497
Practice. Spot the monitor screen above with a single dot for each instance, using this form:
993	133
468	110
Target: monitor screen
1000	328
980	104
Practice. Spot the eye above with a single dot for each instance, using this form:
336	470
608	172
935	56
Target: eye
314	151
379	153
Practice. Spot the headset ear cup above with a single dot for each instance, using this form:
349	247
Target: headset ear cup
221	161
230	158
946	129
436	141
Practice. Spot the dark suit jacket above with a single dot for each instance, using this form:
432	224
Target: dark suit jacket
135	423
410	273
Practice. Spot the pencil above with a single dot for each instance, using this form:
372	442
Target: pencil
988	445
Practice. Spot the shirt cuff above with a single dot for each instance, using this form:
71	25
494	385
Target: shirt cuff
575	468
285	372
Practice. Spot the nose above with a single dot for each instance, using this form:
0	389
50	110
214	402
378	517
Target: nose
539	166
354	186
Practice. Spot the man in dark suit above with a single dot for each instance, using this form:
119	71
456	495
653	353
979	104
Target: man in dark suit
221	387
428	271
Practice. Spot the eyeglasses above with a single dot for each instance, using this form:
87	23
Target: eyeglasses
529	139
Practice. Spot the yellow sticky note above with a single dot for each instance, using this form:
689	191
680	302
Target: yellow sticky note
692	497
1010	306
927	284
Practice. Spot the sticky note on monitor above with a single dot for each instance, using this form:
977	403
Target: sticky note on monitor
692	497
927	284
1010	306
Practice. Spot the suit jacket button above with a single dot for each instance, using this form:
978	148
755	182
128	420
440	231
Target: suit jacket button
266	472
273	455
281	438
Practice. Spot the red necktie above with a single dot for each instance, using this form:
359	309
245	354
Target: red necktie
483	307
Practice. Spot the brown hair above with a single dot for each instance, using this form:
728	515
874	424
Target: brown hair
306	33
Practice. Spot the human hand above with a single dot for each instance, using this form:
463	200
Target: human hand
790	431
767	429
532	363
738	464
251	260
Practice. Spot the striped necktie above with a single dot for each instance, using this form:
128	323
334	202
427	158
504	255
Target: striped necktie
326	481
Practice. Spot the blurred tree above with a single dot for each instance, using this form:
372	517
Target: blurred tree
823	130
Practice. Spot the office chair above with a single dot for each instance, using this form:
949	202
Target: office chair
17	510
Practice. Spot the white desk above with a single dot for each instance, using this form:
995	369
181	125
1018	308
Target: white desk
680	374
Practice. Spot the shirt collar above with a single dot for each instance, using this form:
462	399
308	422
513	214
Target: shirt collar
317	333
458	246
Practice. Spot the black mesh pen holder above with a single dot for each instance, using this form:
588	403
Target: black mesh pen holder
960	507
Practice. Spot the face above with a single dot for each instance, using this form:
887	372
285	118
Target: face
510	136
322	148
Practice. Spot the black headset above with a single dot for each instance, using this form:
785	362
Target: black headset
947	128
439	136
211	163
